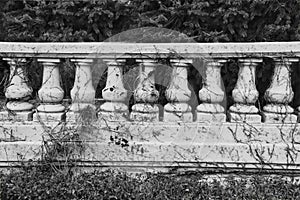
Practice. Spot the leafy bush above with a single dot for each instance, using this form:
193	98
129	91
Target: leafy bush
36	184
204	21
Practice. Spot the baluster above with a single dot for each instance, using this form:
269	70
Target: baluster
178	94
51	94
18	92
83	92
145	94
114	109
212	94
245	93
280	94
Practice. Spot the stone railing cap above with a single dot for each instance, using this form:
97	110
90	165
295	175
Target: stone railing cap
128	50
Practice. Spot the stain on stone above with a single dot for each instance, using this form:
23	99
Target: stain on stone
120	141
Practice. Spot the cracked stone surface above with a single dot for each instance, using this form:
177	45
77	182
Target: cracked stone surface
280	90
145	94
114	90
245	91
18	92
280	94
212	91
241	108
278	108
227	145
210	108
51	91
145	90
114	109
178	94
83	92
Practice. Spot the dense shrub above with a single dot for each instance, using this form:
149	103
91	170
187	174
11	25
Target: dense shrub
35	184
204	21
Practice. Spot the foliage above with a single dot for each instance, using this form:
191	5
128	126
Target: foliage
204	21
33	183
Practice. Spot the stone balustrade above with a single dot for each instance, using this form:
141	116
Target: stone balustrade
210	132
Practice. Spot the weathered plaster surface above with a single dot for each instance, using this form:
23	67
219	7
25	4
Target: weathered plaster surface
188	50
236	143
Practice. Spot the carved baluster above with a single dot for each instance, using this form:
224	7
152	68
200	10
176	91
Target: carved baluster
51	94
83	92
18	92
212	94
145	94
178	94
245	93
280	94
114	109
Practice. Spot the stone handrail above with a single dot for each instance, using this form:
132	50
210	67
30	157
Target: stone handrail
227	133
112	50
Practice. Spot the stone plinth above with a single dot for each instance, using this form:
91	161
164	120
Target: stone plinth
20	116
46	117
244	113
211	117
144	112
245	117
155	146
178	112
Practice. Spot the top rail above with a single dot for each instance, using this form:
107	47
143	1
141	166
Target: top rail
124	50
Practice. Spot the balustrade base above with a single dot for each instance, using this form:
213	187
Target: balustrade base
159	145
211	117
178	116
45	117
20	151
16	116
80	116
279	118
113	116
145	117
242	117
